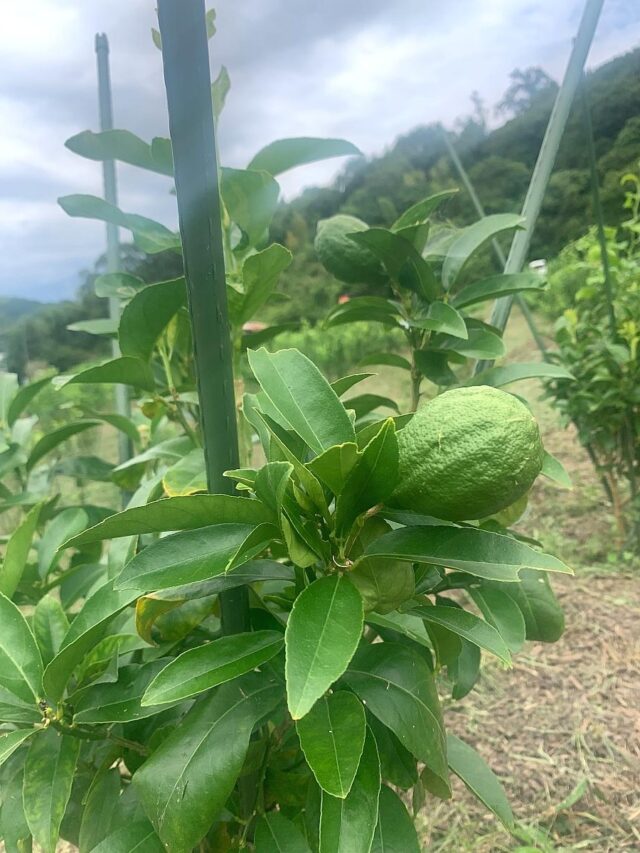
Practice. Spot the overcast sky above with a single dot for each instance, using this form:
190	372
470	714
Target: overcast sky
366	70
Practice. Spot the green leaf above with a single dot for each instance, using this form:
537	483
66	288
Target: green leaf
303	397
147	315
260	274
481	344
67	523
465	762
543	615
219	91
332	738
193	555
99	326
101	810
57	436
468	626
8	390
10	741
554	470
136	837
464	671
502	612
120	422
23	397
471	239
335	464
397	686
400	258
187	476
20	661
435	367
85	631
116	145
251	198
499	376
322	635
181	513
189	777
204	667
442	317
124	370
48	776
276	834
341	386
118	284
15	832
362	404
50	624
372	478
347	825
390	359
395	832
251	340
468	549
118	701
422	210
360	308
496	287
284	154
17	552
397	765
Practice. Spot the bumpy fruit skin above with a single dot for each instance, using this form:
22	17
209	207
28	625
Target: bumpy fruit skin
467	454
343	257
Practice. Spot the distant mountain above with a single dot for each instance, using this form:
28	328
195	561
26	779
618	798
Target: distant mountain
12	309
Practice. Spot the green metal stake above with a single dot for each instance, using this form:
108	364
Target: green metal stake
497	248
546	158
185	57
123	406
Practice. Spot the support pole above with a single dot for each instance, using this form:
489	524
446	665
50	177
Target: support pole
185	58
497	248
113	247
546	158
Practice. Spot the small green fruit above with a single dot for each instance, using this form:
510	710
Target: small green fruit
383	583
340	255
467	454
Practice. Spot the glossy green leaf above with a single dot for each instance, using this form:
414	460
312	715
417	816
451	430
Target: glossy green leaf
149	235
260	274
397	764
303	397
284	154
372	478
23	397
258	337
124	370
363	404
543	615
187	476
100	813
322	634
251	198
468	549
85	631
422	210
347	825
50	624
116	145
467	625
397	686
391	359
67	523
15	832
147	315
481	344
400	258
118	284
204	667
194	555
464	671
373	308
443	318
471	239
465	762
56	437
499	376
99	326
181	513
10	741
395	832
219	90
48	776
118	701
496	287
20	661
332	738
554	470
276	834
435	367
8	390
189	777
335	464
17	552
502	612
136	837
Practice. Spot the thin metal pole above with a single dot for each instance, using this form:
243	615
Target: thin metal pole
497	248
185	57
113	246
546	158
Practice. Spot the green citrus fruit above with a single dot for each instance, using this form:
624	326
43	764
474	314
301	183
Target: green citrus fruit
340	255
467	454
383	583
